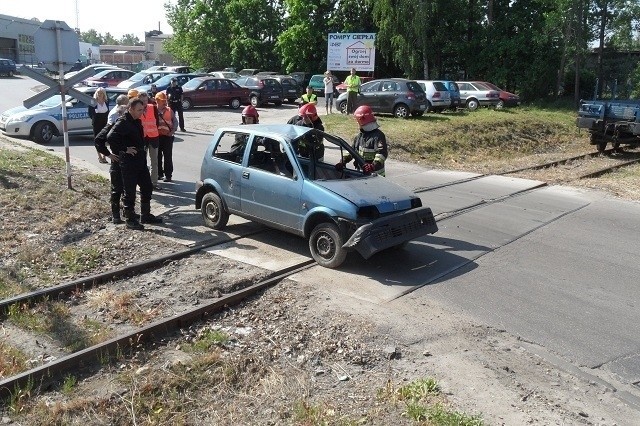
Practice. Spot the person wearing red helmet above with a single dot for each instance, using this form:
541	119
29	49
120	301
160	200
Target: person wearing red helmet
308	117
249	116
371	143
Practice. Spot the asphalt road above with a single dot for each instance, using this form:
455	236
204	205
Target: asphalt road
556	266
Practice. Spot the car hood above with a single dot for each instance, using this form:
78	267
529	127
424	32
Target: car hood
371	191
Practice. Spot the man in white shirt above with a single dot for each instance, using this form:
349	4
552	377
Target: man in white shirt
328	92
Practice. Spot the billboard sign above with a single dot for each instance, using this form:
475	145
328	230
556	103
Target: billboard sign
351	50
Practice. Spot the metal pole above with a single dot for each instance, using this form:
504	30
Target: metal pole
65	131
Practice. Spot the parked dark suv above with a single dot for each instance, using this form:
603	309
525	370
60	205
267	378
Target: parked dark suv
291	90
397	96
7	67
263	89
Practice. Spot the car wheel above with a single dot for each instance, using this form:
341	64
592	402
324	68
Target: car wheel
235	103
44	132
213	212
472	104
401	111
186	104
325	244
10	74
278	103
342	107
254	100
500	104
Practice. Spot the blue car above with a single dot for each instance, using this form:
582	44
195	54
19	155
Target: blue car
164	82
285	177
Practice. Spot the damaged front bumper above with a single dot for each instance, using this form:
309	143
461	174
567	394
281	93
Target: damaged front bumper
391	231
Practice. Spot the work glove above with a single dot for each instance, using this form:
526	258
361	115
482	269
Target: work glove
339	166
368	168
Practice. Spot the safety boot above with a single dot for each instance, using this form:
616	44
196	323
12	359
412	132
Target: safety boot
115	214
146	216
131	221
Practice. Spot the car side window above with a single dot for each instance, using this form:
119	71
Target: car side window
231	146
464	86
269	155
224	85
372	87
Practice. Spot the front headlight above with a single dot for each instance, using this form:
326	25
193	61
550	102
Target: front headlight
17	119
368	212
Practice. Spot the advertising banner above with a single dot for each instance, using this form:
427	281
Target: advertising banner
351	50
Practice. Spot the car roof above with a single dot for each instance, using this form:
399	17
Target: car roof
274	130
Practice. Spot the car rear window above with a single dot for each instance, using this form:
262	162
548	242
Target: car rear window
414	87
439	86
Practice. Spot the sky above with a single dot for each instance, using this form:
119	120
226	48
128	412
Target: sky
118	17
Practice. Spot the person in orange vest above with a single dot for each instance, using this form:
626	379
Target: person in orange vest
167	126
150	121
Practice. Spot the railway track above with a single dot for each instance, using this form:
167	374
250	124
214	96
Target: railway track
43	376
549	165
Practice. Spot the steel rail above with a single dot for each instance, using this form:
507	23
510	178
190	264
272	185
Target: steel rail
84	283
507	172
44	376
606	170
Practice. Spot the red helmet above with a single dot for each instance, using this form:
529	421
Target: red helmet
250	111
308	110
364	115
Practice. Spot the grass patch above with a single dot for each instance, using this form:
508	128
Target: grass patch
12	360
207	340
465	137
75	260
424	402
10	282
69	384
55	320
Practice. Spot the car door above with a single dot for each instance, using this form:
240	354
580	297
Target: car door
78	120
270	191
387	96
369	95
223	93
465	91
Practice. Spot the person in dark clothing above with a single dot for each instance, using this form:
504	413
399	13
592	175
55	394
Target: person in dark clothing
174	93
99	115
308	117
127	139
370	142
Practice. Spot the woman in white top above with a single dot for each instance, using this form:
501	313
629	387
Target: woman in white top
99	115
328	91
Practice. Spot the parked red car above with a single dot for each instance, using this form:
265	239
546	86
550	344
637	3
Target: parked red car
108	78
210	91
507	99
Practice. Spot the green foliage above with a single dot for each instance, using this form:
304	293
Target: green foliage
208	340
68	384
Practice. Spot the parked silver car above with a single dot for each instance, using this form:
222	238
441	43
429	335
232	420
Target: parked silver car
142	78
475	95
260	173
438	97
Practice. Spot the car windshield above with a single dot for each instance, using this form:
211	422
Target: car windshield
192	84
138	76
50	102
414	87
166	80
230	75
318	152
491	86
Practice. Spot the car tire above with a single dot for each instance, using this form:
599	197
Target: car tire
500	104
278	103
254	100
401	111
186	104
43	132
235	103
325	244
342	107
472	104
213	212
10	74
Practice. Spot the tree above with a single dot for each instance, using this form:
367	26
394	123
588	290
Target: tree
91	36
201	32
252	36
130	40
